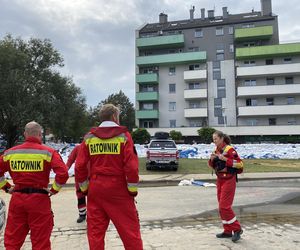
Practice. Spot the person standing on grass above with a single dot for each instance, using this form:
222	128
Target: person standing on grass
227	164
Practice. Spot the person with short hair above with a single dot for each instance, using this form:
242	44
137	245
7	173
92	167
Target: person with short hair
226	163
113	181
29	166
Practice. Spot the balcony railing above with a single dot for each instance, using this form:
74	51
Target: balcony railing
176	58
147	96
269	110
250	34
190	75
147	114
195	93
147	78
171	41
195	112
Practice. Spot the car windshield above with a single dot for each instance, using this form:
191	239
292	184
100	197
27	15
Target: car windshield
162	144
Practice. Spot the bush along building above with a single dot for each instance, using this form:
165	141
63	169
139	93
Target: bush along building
228	72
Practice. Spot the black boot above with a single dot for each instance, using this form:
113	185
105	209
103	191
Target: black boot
237	235
224	235
81	218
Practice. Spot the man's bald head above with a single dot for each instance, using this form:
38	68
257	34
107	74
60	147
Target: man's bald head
33	129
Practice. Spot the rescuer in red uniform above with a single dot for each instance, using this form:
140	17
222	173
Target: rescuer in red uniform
113	181
81	200
227	164
29	166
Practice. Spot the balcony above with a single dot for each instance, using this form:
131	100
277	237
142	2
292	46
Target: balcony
147	78
193	113
191	75
282	89
269	51
269	110
176	58
173	41
251	34
147	114
147	96
195	93
269	70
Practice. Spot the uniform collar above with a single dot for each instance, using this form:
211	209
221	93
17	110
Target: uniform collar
33	139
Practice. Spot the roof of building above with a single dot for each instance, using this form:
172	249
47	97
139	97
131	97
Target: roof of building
207	22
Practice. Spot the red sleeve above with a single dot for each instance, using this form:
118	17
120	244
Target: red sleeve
61	172
81	164
4	184
72	156
232	157
130	160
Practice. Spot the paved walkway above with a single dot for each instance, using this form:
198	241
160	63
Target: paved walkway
172	217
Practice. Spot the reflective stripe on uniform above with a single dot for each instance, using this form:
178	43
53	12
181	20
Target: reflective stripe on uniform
84	185
45	154
98	146
56	186
132	187
229	221
3	181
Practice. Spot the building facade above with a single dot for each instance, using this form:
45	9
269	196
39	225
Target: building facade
228	72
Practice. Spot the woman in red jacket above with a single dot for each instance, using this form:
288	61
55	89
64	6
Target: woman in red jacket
227	164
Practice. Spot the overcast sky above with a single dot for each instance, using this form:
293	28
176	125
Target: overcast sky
96	37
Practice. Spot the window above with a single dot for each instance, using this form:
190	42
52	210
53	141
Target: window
198	33
218	111
251	102
172	71
147	106
248	25
272	121
220	47
231	48
194	105
172	88
216	75
172	51
216	64
195	123
148	124
194	85
252	122
194	67
230	30
172	123
221	120
269	61
172	106
270	101
221	83
270	81
287	60
147	88
249	63
218	102
221	93
291	121
220	56
289	80
249	44
219	31
250	82
290	100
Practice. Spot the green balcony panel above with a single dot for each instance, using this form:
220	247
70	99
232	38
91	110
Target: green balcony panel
146	114
171	59
280	50
173	41
147	96
250	34
147	78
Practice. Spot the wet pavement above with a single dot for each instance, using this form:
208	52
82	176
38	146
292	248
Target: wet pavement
186	218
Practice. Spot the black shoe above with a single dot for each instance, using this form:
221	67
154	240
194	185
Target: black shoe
81	218
237	235
224	235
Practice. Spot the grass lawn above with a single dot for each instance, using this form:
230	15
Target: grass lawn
197	166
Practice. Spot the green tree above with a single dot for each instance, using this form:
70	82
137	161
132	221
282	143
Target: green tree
127	113
32	89
175	135
205	134
140	136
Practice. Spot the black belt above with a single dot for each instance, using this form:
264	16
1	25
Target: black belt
31	191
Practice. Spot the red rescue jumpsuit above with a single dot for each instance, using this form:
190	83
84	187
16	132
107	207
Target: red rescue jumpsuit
226	185
29	166
81	203
112	186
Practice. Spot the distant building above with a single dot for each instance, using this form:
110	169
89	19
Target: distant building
228	72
